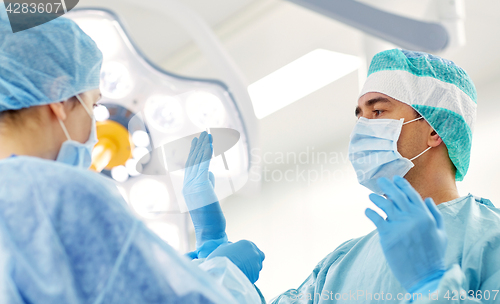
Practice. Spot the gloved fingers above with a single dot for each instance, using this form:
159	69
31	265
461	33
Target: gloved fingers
410	192
255	274
245	255
376	219
190	160
211	178
248	245
262	254
206	156
201	152
429	202
383	204
193	163
198	149
394	194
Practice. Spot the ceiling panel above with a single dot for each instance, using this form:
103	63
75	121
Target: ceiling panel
157	36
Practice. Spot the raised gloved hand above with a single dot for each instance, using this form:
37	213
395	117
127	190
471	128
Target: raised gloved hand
198	191
412	237
245	255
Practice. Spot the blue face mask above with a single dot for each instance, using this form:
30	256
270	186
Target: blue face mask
77	154
373	151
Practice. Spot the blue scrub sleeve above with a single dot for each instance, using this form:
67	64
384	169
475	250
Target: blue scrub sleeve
67	236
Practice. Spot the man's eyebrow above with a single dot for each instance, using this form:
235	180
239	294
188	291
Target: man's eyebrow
373	101
370	103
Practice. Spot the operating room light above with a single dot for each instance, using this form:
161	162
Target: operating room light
116	82
164	113
298	79
120	174
101	113
140	139
158	108
205	110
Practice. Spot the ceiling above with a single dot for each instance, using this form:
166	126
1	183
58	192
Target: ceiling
157	36
264	35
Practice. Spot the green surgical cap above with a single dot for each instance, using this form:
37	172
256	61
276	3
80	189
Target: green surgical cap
49	63
439	90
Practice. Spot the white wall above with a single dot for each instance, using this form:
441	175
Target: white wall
483	178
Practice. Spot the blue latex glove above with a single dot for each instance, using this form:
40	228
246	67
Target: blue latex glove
198	191
245	255
412	237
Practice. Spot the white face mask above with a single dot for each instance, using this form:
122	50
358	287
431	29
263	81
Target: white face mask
75	153
373	151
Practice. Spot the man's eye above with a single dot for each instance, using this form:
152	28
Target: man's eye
378	112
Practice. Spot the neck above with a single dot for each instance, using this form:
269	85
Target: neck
436	181
26	141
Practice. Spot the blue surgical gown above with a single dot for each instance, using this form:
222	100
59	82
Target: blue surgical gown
357	272
67	236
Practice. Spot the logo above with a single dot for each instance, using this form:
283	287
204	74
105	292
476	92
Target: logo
27	14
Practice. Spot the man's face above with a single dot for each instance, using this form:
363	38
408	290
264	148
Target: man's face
413	138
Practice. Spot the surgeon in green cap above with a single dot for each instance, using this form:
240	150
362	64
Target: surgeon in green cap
411	143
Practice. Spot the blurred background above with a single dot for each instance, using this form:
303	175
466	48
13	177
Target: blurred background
302	198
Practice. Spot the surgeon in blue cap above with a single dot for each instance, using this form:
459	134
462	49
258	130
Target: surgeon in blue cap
66	235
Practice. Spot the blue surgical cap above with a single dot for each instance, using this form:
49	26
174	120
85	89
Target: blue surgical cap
437	89
49	63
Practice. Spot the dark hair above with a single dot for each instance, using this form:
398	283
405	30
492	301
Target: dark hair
16	116
12	116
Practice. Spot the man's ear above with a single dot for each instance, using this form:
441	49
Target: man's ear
59	110
434	139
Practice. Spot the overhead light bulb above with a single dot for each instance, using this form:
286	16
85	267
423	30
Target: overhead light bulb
140	138
116	82
164	113
205	110
101	113
119	174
